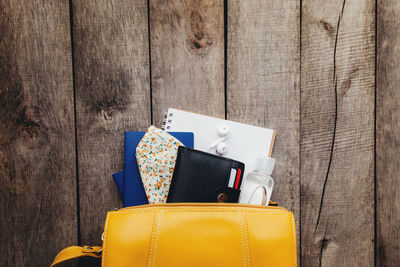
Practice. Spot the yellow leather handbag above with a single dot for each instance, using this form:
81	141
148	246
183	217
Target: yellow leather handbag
194	234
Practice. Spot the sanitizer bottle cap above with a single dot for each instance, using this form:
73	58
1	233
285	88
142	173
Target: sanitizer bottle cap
265	165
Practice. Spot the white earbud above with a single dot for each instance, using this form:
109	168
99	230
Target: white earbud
223	130
221	147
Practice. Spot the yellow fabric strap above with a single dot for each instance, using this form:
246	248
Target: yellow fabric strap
74	252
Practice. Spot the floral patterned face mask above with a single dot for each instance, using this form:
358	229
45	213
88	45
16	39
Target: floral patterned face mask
156	155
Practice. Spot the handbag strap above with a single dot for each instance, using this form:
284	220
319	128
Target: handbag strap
74	252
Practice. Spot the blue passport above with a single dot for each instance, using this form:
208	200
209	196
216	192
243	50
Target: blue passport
128	181
119	178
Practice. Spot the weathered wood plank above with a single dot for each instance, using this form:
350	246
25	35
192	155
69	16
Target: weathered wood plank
337	133
37	140
263	83
187	56
112	96
387	134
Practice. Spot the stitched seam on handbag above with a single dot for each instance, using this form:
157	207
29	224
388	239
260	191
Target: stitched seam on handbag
104	241
241	234
158	233
152	238
294	242
205	211
246	237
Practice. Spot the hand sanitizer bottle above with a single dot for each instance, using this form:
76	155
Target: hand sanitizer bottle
258	185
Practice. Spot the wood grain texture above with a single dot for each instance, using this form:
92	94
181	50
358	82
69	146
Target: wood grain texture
387	134
337	133
263	83
37	141
187	56
112	96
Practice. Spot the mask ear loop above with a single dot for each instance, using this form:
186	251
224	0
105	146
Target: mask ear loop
264	199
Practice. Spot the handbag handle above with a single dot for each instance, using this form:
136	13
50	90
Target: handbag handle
74	252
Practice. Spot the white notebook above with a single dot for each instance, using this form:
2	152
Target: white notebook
244	143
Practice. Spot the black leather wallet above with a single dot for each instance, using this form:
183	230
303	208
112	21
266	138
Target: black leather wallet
204	177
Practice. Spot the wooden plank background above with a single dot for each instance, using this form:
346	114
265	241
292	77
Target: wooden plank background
337	133
37	145
74	75
388	134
